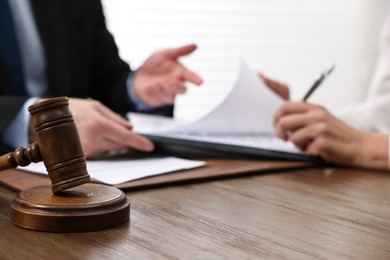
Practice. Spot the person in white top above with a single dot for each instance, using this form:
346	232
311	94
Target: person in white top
356	136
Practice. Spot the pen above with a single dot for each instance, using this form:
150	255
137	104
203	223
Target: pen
318	82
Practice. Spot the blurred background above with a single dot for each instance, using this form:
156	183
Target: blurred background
290	40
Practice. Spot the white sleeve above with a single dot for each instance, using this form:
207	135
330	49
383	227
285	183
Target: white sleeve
374	113
16	133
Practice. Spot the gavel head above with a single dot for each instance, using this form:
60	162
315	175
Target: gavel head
59	143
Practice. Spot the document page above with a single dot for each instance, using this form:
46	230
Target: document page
244	118
119	170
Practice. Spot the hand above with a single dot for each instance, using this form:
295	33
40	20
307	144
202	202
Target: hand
279	88
162	77
314	130
101	130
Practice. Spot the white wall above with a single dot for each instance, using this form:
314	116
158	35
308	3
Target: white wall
292	40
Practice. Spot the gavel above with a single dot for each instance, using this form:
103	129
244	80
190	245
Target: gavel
71	203
58	146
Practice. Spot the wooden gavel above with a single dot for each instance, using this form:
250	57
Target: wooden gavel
58	146
66	206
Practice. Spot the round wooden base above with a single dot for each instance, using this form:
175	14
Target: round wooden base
84	208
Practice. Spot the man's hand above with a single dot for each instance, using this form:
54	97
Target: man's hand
314	130
101	130
162	77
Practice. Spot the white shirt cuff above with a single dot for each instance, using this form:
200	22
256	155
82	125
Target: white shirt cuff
139	104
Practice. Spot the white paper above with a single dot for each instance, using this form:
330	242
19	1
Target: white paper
248	109
116	171
244	118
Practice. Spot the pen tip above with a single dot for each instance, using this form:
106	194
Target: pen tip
331	69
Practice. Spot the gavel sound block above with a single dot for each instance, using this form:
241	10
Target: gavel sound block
71	203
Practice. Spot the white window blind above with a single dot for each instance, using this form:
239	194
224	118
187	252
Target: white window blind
292	40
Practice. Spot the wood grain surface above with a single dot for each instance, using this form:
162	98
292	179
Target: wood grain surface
303	214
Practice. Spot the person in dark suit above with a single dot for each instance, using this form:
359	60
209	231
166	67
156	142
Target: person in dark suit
73	54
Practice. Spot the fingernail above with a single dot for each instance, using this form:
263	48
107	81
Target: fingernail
148	146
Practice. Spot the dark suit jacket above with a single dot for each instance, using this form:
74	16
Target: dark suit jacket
82	58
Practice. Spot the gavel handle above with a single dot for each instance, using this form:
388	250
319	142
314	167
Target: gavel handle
21	157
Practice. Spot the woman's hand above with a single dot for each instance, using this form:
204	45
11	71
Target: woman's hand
314	130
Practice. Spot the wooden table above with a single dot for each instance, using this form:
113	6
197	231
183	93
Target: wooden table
303	214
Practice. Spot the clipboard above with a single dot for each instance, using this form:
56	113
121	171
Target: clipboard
177	146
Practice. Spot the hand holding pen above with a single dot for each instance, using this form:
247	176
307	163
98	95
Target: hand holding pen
294	115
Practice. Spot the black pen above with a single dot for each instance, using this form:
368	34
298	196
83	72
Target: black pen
318	82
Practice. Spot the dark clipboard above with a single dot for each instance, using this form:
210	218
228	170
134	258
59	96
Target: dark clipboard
189	148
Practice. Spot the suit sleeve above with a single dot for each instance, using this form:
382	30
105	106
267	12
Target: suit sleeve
110	72
9	107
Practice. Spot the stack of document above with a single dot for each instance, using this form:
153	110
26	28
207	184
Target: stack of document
241	124
117	170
